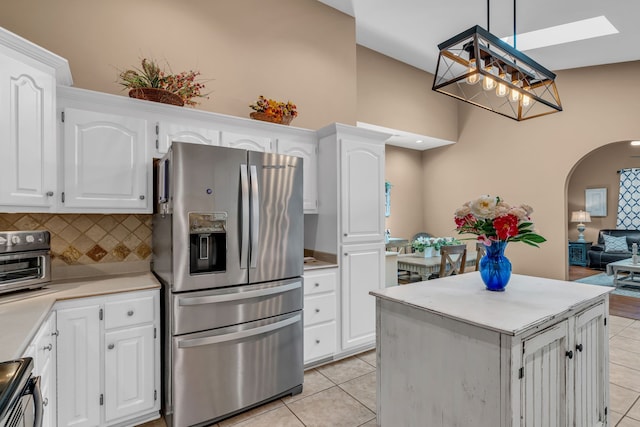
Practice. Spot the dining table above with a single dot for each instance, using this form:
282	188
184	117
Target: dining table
417	263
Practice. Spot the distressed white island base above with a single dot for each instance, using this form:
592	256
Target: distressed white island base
450	353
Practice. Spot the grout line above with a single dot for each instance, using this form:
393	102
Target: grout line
625	414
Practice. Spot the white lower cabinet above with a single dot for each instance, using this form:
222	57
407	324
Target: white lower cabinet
319	314
362	271
108	360
43	351
563	379
449	353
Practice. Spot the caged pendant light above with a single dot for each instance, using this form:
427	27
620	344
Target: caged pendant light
477	67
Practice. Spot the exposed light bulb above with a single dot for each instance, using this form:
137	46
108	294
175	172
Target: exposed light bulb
514	95
488	83
473	78
635	143
502	89
526	100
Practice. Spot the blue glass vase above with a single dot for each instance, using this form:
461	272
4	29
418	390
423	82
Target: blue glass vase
495	268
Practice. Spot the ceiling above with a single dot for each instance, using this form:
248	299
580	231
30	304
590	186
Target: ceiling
410	30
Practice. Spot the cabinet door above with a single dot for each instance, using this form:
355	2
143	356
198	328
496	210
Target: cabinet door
79	366
45	347
362	271
308	151
591	382
27	135
247	142
129	371
362	191
169	132
105	161
544	385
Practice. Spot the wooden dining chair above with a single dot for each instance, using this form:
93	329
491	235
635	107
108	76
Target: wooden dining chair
481	249
450	265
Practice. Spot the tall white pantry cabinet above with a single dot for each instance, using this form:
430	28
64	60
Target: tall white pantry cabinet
350	222
452	353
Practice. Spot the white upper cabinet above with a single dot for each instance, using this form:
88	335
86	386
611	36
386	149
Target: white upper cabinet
247	142
28	76
168	132
362	191
106	162
308	151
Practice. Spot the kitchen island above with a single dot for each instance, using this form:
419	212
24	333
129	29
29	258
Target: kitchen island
450	353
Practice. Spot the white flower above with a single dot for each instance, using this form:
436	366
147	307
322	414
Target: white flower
484	207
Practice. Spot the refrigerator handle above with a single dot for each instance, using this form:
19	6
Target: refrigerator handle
255	216
244	222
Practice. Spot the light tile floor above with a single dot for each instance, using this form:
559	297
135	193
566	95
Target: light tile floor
343	393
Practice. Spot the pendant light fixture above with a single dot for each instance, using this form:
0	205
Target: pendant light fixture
513	85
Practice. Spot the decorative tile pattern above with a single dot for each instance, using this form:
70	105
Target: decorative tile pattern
78	239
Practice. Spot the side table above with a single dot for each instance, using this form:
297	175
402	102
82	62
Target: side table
578	253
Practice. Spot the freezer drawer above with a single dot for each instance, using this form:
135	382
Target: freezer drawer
216	373
217	308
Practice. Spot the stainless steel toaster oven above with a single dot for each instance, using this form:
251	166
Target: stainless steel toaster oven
25	261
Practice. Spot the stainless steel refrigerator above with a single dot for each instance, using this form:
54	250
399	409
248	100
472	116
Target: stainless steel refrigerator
228	249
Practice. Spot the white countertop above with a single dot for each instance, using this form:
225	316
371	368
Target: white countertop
526	302
20	319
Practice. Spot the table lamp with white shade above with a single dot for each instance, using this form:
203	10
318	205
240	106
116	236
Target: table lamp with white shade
580	217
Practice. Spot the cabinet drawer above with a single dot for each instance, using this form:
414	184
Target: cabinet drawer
319	308
129	312
319	341
319	283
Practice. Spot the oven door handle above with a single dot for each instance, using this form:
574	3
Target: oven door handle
260	330
235	296
34	389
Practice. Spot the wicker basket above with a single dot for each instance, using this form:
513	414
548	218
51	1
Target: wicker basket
156	95
284	120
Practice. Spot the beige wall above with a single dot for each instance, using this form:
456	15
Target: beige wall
403	168
398	96
530	162
598	169
298	50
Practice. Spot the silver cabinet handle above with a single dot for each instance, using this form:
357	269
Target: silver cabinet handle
238	295
233	336
111	346
49	193
48	347
130	313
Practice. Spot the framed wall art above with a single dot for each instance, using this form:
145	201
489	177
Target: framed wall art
596	201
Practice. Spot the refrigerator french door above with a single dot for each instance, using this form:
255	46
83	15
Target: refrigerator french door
228	248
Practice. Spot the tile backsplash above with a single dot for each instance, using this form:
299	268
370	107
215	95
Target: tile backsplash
82	239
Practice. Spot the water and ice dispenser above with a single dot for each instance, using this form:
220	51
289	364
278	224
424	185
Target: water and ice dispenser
207	242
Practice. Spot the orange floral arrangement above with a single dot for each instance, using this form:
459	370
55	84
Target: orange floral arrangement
275	109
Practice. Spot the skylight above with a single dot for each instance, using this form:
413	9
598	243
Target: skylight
565	33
